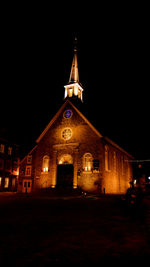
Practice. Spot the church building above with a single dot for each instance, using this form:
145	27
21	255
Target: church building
71	153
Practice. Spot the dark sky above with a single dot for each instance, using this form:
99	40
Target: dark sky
113	59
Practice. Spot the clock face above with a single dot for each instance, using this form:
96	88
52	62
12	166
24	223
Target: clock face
67	114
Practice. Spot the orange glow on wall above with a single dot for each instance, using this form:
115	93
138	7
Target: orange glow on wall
45	169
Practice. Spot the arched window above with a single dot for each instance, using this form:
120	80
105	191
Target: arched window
6	184
87	162
115	161
45	166
107	158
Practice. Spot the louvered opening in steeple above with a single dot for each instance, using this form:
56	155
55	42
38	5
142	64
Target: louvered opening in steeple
73	88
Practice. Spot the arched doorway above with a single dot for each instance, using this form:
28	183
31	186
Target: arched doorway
65	172
65	159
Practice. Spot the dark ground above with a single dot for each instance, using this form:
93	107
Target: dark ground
49	230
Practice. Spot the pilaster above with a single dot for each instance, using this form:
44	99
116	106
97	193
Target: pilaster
54	164
75	165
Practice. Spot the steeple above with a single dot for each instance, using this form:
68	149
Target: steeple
74	89
74	74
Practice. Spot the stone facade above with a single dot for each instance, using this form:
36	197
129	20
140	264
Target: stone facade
99	165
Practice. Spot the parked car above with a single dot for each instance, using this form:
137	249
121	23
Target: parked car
134	196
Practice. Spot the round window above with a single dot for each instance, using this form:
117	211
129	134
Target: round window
67	114
66	133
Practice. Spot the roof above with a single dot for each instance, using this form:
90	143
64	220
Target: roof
117	146
57	115
76	104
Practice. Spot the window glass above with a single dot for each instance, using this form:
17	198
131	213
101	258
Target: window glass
107	159
28	170
96	164
6	183
66	133
2	147
70	92
45	166
13	182
87	162
10	151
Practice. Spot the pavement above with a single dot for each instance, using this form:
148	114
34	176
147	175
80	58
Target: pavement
49	230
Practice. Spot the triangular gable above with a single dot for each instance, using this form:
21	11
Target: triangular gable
87	121
57	115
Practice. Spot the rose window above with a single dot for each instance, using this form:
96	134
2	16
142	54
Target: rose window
66	134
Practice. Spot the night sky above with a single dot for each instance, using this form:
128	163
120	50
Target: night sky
113	59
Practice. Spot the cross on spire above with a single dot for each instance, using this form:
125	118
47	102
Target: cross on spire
74	74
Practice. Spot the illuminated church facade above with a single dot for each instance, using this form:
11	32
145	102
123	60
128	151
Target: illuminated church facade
71	153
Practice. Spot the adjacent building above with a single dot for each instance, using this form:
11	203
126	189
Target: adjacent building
9	165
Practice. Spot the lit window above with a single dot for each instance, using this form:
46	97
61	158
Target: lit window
9	150
79	94
13	182
65	92
70	92
0	181
115	161
66	134
76	90
107	159
45	166
87	162
6	184
28	171
2	147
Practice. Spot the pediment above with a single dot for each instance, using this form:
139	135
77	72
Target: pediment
59	113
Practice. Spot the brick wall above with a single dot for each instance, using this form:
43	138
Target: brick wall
83	140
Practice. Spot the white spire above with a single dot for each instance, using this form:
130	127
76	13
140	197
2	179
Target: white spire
74	74
73	88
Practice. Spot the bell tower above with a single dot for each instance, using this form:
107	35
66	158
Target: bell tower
74	89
